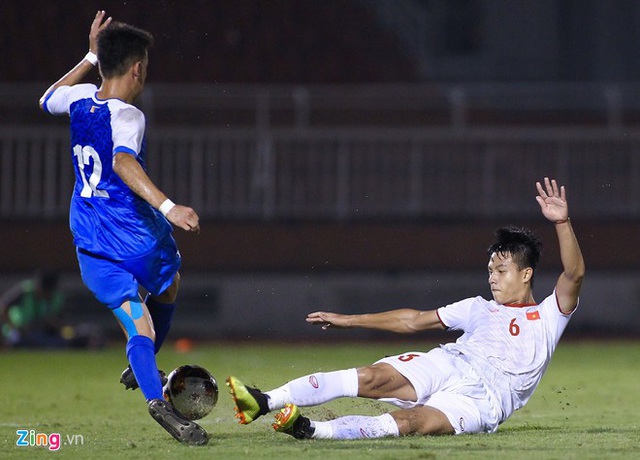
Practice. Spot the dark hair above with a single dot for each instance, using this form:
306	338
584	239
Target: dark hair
523	245
119	46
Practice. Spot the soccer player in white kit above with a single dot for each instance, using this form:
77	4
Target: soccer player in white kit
469	386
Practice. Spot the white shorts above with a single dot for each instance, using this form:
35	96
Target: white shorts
450	385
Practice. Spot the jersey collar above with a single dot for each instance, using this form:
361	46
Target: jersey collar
520	305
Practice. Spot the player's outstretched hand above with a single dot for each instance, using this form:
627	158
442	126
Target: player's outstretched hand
99	23
185	218
552	200
326	319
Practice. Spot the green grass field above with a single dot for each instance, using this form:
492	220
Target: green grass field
585	408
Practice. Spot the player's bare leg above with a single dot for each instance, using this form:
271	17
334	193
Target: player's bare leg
420	420
145	326
137	325
160	309
376	381
423	420
382	380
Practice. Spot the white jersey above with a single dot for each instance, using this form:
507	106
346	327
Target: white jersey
509	347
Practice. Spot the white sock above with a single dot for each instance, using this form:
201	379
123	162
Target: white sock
356	427
315	389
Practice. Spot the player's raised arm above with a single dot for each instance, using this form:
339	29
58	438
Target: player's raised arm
553	203
90	60
132	174
402	321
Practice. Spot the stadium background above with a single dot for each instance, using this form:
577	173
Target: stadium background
371	148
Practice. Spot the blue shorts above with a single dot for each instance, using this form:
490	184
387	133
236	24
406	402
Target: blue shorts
113	282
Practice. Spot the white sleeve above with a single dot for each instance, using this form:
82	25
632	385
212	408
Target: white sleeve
456	315
128	124
59	101
556	320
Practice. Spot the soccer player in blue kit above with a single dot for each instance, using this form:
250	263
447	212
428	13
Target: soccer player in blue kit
121	222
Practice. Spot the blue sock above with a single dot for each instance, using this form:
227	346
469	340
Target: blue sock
162	316
142	359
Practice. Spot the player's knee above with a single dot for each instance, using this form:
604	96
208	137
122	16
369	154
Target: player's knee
432	422
368	381
405	427
424	420
382	380
375	381
133	319
436	428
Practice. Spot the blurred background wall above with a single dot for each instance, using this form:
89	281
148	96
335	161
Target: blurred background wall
345	154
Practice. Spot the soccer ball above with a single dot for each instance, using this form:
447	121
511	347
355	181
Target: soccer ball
192	390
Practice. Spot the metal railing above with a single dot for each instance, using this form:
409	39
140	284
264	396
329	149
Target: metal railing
345	174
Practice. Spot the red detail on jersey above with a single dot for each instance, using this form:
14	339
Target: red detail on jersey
409	357
440	319
314	382
533	315
560	309
520	305
514	329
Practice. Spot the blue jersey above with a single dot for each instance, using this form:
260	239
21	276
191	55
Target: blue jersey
106	217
